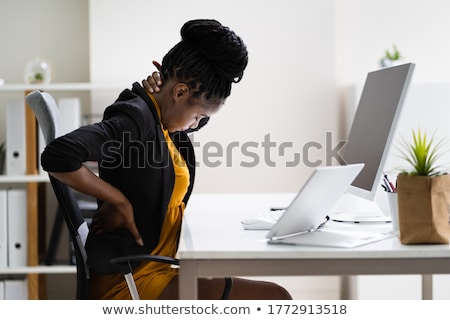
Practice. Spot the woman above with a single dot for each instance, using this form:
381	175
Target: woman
147	166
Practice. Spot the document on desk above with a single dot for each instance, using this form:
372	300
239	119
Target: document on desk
332	238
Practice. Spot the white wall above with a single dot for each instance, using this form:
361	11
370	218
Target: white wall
302	55
365	29
52	29
288	90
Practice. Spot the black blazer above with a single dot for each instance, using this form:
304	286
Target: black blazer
132	155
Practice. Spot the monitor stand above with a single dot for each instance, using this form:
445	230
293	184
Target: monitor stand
354	209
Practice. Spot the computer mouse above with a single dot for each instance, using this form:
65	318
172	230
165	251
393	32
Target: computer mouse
258	223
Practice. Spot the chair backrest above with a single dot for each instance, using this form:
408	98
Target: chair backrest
47	114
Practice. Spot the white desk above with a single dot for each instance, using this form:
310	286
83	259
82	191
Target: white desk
215	244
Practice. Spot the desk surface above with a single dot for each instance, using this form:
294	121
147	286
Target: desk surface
212	230
215	244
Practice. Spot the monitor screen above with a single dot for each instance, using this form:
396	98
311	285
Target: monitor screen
374	125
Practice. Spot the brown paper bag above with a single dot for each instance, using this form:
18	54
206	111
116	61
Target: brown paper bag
423	208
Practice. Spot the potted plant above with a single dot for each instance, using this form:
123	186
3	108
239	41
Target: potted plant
38	71
391	58
423	192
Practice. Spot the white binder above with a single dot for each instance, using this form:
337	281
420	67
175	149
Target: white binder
16	289
70	112
3	229
17	227
2	290
15	138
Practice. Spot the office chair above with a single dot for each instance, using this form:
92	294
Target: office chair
46	111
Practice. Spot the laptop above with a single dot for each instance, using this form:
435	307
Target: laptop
302	223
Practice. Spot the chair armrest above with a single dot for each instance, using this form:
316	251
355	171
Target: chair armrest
124	262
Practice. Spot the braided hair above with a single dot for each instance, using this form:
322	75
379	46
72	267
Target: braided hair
209	58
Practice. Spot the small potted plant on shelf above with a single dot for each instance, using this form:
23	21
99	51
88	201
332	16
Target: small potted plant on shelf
38	71
423	192
391	58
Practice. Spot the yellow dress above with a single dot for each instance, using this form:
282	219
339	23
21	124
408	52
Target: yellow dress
152	277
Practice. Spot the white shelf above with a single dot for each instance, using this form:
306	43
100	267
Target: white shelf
24	178
62	86
53	269
20	180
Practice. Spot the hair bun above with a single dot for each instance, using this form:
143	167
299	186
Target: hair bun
224	50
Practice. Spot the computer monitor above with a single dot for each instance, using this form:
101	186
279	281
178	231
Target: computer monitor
374	126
